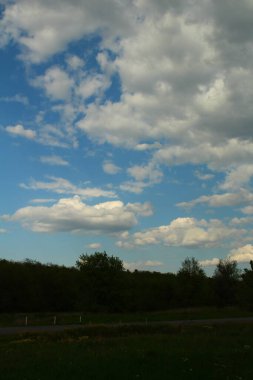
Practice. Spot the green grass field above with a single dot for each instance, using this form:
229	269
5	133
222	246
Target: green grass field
193	352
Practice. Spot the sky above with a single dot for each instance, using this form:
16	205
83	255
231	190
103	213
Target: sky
126	127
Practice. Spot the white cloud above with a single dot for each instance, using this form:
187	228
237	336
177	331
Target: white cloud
200	91
73	216
220	200
238	177
75	62
239	221
248	210
56	83
142	265
3	231
110	168
92	86
19	130
54	160
243	254
209	262
95	246
63	186
183	232
218	156
45	28
144	176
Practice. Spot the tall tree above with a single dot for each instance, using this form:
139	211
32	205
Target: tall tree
246	288
226	282
191	283
101	281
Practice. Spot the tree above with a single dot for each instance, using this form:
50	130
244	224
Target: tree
101	281
246	288
100	262
190	267
226	280
191	283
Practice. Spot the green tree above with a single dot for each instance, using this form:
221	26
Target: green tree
99	262
101	281
246	288
191	283
226	282
190	268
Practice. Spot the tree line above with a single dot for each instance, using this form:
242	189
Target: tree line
99	282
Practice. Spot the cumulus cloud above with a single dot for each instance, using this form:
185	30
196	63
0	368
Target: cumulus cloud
196	103
238	177
73	216
75	62
243	254
19	130
110	168
143	176
56	83
63	186
183	232
248	210
62	23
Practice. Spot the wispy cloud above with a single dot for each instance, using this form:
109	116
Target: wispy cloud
54	160
63	186
19	130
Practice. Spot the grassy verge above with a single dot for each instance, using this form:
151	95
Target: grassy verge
208	352
19	319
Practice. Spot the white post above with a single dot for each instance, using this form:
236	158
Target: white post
26	320
80	319
54	320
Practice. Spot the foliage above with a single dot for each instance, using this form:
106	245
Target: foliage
246	288
226	279
100	283
192	283
191	268
99	262
209	352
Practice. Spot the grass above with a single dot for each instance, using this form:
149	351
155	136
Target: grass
95	318
131	352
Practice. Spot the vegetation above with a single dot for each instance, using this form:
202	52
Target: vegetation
99	283
208	352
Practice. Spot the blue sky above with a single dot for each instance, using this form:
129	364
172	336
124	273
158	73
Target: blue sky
126	126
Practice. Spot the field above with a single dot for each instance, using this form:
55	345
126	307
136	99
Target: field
131	352
19	319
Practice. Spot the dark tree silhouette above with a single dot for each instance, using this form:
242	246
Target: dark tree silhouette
191	283
101	281
226	282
